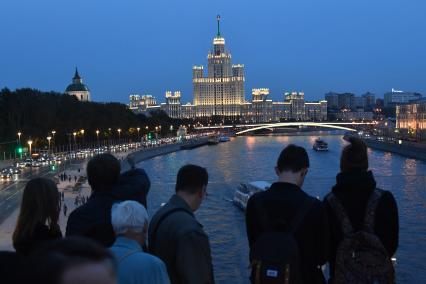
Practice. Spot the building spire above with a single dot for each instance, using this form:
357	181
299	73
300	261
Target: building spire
76	75
218	25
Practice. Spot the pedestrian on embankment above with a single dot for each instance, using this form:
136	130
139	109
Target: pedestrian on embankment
38	216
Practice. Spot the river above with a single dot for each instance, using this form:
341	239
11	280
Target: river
249	158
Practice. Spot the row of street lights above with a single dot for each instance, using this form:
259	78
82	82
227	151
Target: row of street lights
82	131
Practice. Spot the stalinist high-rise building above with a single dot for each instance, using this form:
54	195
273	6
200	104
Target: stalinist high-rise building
221	92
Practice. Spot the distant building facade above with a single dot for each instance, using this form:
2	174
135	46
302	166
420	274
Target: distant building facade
142	103
394	97
78	89
411	119
348	106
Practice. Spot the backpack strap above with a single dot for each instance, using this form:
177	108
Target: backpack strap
267	224
162	218
370	213
300	215
339	210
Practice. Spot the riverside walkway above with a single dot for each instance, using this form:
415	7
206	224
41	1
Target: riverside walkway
9	206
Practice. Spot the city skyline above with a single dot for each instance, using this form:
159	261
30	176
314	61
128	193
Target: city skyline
144	54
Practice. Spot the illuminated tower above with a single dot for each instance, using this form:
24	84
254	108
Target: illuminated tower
222	91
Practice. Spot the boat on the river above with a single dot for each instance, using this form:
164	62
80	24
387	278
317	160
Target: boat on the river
213	140
245	190
320	145
224	139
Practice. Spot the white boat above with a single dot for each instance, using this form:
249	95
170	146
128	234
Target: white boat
246	190
224	139
320	145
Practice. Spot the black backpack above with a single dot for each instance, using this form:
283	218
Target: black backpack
275	253
361	256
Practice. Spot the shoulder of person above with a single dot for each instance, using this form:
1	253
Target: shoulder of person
153	260
317	206
254	199
386	195
387	200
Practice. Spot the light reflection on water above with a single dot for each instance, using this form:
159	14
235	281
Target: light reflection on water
253	158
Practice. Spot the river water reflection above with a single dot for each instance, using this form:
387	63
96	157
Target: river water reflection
247	159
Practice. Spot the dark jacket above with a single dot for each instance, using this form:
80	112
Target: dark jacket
353	191
41	234
93	219
282	202
182	244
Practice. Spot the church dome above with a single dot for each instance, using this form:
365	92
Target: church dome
77	87
77	84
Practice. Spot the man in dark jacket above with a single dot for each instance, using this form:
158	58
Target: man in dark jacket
281	204
176	237
93	219
354	186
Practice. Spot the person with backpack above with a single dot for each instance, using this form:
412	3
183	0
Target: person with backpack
363	219
176	237
287	229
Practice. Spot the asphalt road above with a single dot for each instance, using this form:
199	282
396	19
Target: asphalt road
11	191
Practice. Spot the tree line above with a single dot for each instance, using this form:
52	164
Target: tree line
36	114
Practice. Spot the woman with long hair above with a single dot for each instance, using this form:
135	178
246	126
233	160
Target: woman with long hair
38	216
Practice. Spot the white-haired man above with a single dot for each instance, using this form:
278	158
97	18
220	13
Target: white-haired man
130	223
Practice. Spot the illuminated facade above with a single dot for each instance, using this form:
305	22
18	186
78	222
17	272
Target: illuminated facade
142	103
411	120
261	109
172	106
221	92
78	89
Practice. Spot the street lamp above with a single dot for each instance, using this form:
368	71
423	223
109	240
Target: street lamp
19	137
30	142
48	140
138	129
75	141
82	134
119	134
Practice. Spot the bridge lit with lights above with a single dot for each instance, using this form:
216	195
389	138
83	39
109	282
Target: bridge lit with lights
270	126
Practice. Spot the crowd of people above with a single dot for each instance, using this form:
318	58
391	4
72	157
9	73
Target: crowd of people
110	238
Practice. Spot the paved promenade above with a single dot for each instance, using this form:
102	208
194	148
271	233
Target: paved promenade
8	225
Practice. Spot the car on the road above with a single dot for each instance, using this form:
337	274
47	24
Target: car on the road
6	176
28	162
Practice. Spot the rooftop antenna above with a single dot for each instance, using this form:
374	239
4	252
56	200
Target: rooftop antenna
218	25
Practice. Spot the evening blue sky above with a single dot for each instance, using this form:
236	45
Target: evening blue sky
148	47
